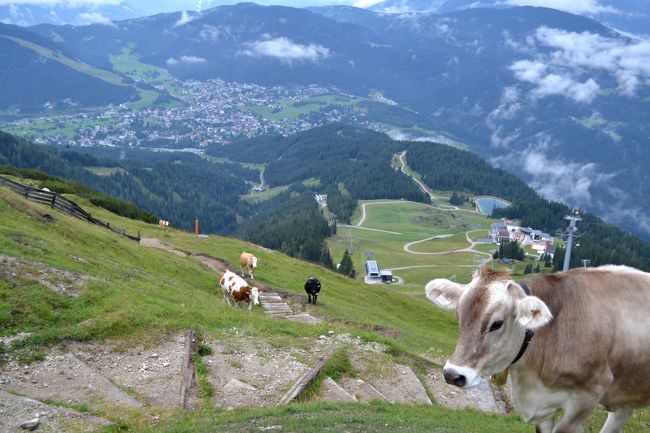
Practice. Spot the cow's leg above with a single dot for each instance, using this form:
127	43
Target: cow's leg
545	426
616	420
250	272
309	298
315	296
577	411
242	270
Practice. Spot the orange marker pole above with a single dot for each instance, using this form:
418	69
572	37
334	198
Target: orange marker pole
196	227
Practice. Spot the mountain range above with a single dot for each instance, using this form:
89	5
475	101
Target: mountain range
559	99
631	16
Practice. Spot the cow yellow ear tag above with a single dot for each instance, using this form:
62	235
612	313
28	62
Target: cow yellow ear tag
443	301
500	379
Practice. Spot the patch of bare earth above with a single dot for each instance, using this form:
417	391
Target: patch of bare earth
152	373
250	372
63	377
57	280
16	410
482	397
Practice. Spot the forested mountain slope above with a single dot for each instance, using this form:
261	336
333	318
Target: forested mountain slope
176	187
36	74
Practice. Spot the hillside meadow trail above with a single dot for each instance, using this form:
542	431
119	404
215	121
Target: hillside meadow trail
398	383
272	301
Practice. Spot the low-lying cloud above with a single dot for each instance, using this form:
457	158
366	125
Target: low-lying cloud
187	60
565	69
285	50
554	178
184	19
95	18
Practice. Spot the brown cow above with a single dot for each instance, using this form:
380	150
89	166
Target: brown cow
237	289
570	341
249	261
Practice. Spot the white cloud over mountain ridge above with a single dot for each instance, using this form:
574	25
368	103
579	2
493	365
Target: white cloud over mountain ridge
285	50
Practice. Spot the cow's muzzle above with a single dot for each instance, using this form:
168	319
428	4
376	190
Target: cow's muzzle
462	377
453	377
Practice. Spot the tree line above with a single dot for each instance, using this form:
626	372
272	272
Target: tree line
350	163
445	168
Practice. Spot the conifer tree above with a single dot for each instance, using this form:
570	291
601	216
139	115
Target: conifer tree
347	267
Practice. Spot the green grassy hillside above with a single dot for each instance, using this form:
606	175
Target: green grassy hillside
132	293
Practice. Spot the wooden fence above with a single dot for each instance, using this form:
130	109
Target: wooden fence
62	204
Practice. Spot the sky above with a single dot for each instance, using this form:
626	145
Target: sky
574	6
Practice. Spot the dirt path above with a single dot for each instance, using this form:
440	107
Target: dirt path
408	246
368	228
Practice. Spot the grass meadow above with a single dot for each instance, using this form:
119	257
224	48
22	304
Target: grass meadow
133	293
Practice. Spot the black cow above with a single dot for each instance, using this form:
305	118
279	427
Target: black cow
312	287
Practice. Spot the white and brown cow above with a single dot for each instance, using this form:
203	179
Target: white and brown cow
249	261
589	341
237	289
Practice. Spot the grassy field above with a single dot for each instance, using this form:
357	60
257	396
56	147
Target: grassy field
292	109
101	74
138	294
268	193
407	222
128	63
47	127
105	171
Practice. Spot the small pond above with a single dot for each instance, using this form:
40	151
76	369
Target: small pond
486	205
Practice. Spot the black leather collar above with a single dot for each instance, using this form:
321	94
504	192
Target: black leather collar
529	332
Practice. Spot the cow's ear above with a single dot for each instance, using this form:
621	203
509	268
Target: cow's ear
444	293
533	313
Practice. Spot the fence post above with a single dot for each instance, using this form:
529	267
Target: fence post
53	200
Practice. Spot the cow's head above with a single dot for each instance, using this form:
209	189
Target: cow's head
254	262
493	314
255	296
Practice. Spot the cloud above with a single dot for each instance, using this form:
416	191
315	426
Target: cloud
588	7
366	3
508	108
216	33
555	178
285	50
184	19
95	18
187	60
565	60
63	3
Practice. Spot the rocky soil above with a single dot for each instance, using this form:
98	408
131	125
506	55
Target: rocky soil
243	371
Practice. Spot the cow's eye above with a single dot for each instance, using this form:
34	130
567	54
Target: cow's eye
497	324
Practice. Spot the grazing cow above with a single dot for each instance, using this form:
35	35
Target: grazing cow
236	288
163	223
312	287
570	341
249	261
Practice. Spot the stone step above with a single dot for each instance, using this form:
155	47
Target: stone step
304	318
270	298
275	304
279	313
332	391
276	307
363	391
